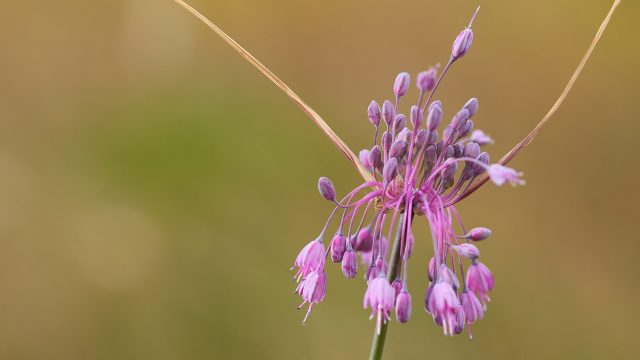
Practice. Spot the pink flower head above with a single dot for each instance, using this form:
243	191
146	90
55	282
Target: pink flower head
310	258
312	289
380	297
501	174
480	281
444	306
480	138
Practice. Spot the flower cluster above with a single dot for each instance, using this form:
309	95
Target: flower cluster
417	171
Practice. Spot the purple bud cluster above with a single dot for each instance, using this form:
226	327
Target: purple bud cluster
421	167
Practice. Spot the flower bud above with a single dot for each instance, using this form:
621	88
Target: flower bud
434	115
467	250
448	152
388	112
399	123
433	137
401	84
416	117
375	157
338	247
432	274
426	80
421	138
390	170
449	134
466	128
349	264
408	247
325	186
364	158
446	274
478	234
363	240
403	135
472	150
403	306
460	119
458	150
472	106
462	43
374	113
483	158
399	149
386	140
430	154
397	286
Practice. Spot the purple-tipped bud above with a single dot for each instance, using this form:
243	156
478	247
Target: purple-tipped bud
390	170
471	306
466	129
472	150
338	247
433	137
349	264
325	186
403	135
399	123
416	116
399	149
449	152
434	116
458	150
397	285
375	157
467	250
462	43
483	158
478	234
364	158
401	84
472	106
430	154
421	138
363	240
403	306
386	140
388	112
426	80
374	113
460	119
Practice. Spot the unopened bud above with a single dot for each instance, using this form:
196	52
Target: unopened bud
472	106
399	123
434	115
386	140
467	250
403	307
403	135
449	134
375	157
472	150
432	274
462	43
388	112
460	119
374	113
401	84
364	158
399	149
416	116
390	170
466	128
325	186
433	137
483	158
426	80
458	150
478	234
349	264
338	248
421	138
397	286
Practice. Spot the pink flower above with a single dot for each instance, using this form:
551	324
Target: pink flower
312	289
500	174
444	306
380	297
479	137
310	258
480	281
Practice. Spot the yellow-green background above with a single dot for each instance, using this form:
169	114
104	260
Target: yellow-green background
155	189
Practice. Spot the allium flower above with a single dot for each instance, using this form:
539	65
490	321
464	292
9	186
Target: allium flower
444	306
310	258
480	281
380	297
312	289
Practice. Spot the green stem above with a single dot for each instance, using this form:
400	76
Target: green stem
394	267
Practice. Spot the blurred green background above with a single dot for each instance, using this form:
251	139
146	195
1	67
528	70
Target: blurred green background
155	189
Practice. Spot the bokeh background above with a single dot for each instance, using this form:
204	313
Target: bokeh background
155	189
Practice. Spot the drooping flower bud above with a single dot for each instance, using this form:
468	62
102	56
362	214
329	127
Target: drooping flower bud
312	290
349	264
472	106
401	84
399	123
416	116
426	80
478	234
403	306
467	250
363	240
388	112
444	306
310	258
375	157
399	149
364	158
480	281
460	119
386	140
338	247
397	286
374	113
325	186
472	307
390	170
434	115
462	43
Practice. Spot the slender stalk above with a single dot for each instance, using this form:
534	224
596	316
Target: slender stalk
377	345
